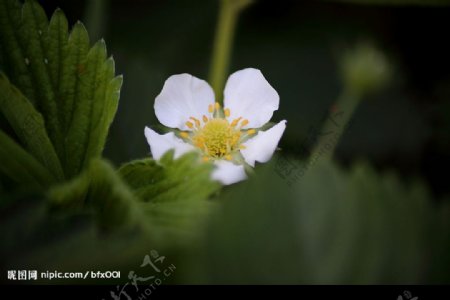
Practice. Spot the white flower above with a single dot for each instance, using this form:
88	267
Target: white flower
227	136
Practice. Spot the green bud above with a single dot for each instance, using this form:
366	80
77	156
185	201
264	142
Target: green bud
365	69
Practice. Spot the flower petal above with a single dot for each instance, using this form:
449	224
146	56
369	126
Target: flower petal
248	95
183	96
228	173
263	145
161	143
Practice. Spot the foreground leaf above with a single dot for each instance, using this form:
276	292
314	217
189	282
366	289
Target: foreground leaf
29	126
21	167
331	227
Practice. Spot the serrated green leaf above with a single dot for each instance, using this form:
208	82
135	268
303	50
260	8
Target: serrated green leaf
15	57
57	46
72	85
34	29
105	105
79	127
23	33
29	126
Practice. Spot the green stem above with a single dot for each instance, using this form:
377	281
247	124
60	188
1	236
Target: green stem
226	25
337	122
95	16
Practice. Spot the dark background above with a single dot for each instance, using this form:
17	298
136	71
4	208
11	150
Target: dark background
296	44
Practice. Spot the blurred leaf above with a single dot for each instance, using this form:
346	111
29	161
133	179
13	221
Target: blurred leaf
22	167
98	190
29	126
171	217
440	262
330	227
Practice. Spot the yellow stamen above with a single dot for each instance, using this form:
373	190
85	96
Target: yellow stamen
184	135
227	112
197	122
211	108
216	138
244	123
235	121
251	131
217	106
228	157
189	124
205	158
205	119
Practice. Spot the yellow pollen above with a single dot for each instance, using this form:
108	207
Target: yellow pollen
197	122
184	135
205	119
245	122
205	158
217	139
189	124
227	112
251	131
228	157
211	108
235	121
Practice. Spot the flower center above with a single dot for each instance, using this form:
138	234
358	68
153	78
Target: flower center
216	137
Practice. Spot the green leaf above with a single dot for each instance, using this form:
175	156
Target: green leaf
29	126
332	226
81	106
103	111
175	194
21	167
170	180
168	199
69	83
23	33
14	54
101	191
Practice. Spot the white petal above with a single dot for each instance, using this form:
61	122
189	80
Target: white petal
183	96
248	95
228	173
161	143
263	145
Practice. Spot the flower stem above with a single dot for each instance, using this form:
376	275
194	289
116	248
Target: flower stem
336	124
226	24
